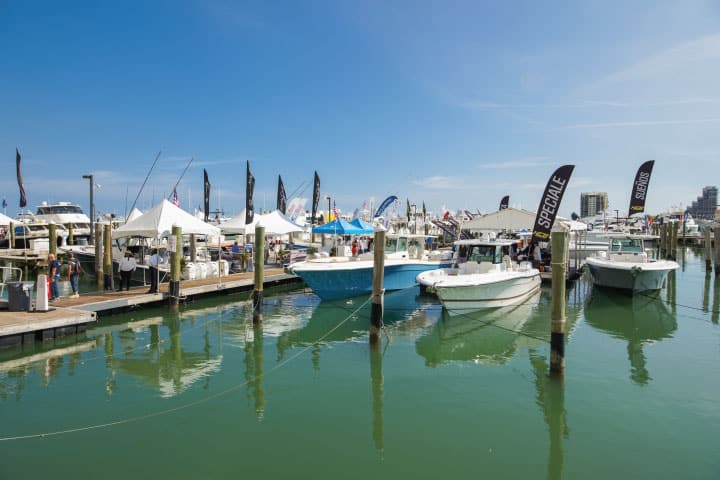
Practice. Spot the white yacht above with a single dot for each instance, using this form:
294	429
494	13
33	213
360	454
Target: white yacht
627	266
484	277
34	233
69	215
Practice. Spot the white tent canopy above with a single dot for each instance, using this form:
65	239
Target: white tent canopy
5	220
159	220
237	225
133	215
274	222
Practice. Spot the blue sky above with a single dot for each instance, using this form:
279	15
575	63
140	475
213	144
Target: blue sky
449	102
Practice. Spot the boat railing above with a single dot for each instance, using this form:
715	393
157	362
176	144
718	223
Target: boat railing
6	276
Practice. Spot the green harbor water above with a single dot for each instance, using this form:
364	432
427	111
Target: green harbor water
202	393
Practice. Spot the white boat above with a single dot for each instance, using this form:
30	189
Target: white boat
70	216
349	276
34	233
485	277
627	266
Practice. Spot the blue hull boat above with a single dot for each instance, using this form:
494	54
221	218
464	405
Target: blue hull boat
343	279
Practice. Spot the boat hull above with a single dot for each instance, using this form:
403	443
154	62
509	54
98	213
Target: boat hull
630	276
333	280
468	293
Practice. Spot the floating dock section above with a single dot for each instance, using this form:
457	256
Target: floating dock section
69	316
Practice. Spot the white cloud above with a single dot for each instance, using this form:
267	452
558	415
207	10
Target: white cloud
643	123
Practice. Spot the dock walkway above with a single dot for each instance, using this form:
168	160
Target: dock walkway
68	316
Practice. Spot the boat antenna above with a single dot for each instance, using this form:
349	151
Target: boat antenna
143	185
181	176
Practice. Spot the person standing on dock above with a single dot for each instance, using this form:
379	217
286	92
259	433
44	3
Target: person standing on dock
54	276
127	267
73	273
154	272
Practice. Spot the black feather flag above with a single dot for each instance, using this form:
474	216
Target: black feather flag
316	197
504	202
281	196
550	203
640	186
23	199
250	187
206	195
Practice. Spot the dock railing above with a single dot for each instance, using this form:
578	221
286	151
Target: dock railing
7	275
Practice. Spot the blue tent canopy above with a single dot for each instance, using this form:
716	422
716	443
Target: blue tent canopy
364	226
340	227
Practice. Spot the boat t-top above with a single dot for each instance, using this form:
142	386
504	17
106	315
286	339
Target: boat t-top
484	276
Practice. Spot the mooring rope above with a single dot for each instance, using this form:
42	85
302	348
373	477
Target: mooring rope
187	405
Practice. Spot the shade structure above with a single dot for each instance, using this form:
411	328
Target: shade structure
159	220
366	228
341	227
237	225
135	213
5	220
275	223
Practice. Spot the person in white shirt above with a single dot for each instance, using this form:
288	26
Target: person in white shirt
154	272
127	267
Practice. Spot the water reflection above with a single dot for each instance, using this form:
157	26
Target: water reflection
46	361
378	396
706	291
716	300
348	320
254	372
639	319
550	397
171	368
484	337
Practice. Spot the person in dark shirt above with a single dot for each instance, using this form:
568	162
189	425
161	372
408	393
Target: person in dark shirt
54	276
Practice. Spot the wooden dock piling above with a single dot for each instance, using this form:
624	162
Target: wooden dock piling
71	235
107	258
193	248
708	250
661	240
378	293
99	255
176	254
52	237
259	257
560	239
11	243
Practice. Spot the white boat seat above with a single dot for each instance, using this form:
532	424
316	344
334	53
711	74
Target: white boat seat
468	268
475	267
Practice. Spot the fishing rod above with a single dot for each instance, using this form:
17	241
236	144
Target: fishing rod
143	185
181	177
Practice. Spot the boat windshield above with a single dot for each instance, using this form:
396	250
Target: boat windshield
55	209
485	253
626	245
398	244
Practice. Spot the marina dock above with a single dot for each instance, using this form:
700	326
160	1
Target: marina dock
68	316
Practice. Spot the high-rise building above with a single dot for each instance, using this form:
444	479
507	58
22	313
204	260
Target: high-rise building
705	205
593	203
